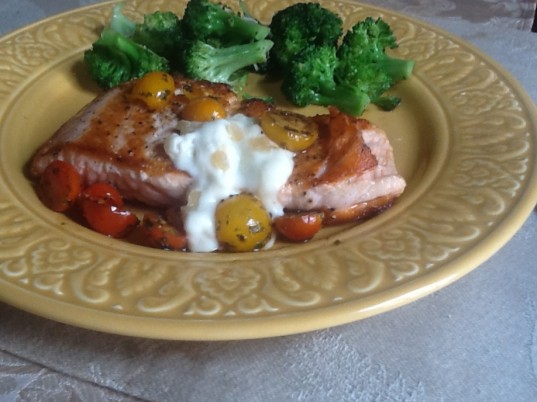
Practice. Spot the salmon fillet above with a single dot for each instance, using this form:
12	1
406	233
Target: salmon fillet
349	172
119	141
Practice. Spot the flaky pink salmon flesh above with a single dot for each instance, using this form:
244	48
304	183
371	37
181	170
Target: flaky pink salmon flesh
349	173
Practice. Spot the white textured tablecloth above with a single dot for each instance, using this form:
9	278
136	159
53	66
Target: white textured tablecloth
475	340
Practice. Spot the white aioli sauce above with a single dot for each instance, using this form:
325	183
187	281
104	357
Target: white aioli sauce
226	157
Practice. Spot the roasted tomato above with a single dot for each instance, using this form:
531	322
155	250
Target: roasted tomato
300	226
104	210
59	186
242	223
203	108
289	130
155	89
158	233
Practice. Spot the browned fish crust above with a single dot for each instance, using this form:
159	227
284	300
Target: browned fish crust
348	173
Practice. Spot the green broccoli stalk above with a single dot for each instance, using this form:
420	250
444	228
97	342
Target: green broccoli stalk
219	26
224	64
161	32
310	81
120	23
114	59
363	62
297	27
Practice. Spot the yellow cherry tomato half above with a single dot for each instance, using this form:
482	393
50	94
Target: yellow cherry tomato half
242	223
289	130
203	108
155	89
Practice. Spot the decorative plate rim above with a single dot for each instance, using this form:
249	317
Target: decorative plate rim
109	291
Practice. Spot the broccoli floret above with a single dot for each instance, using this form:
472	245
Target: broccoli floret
363	62
224	64
387	103
219	26
298	26
114	59
117	56
120	23
160	32
310	81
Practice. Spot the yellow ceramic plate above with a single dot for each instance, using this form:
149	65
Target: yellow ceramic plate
464	139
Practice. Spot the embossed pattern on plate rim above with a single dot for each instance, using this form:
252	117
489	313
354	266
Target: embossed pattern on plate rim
289	296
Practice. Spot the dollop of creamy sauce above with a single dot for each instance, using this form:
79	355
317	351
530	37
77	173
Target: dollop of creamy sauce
226	157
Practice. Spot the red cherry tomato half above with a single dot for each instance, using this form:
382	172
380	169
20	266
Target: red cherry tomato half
158	233
59	186
300	226
103	192
103	209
